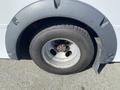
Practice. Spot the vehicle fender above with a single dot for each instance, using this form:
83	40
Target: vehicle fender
107	43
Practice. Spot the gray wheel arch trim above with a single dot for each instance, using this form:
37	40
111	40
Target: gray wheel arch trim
70	9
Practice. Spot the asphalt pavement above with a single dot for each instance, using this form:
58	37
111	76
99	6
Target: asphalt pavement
25	75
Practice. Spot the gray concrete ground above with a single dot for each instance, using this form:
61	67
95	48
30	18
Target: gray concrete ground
25	75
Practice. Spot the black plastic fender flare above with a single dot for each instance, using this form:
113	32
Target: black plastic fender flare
77	10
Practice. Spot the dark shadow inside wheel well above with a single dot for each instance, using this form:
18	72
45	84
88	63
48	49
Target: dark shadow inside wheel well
23	42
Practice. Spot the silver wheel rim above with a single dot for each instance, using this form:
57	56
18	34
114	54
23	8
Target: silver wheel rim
61	53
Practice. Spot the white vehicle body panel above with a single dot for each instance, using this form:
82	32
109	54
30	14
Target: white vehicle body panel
9	8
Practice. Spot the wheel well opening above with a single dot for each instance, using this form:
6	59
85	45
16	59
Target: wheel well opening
23	42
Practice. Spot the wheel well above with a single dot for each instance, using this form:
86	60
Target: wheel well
23	42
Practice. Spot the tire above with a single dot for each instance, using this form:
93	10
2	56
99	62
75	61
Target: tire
76	34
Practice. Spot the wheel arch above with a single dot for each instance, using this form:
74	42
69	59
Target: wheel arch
23	42
68	9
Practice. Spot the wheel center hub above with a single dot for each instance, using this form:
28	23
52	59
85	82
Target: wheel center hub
61	48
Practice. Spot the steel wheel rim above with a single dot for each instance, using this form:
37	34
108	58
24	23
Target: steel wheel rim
61	53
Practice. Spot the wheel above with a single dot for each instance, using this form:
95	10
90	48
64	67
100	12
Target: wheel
62	49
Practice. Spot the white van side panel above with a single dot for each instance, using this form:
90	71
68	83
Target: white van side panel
3	52
117	31
9	8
